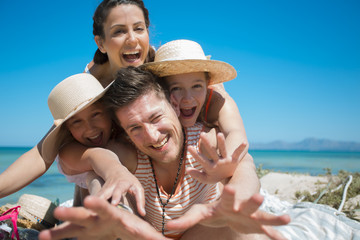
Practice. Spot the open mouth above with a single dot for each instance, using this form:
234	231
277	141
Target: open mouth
161	144
132	56
187	112
96	140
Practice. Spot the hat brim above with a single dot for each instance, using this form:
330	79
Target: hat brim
53	139
219	71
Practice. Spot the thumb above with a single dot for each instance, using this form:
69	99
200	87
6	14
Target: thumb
192	217
197	174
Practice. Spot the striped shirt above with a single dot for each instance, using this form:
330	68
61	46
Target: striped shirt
188	192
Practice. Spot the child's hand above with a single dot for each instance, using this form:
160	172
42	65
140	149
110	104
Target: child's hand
218	164
120	182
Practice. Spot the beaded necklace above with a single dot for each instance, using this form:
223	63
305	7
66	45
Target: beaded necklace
173	189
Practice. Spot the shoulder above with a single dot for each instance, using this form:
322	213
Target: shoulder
126	153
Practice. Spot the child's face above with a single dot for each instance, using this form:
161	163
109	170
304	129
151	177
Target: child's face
188	94
92	126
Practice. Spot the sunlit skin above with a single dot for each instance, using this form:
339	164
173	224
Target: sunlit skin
92	126
126	40
153	127
188	94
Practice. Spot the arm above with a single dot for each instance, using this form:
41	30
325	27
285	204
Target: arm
22	172
105	163
224	112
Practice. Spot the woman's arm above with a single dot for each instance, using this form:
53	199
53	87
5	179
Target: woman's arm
22	172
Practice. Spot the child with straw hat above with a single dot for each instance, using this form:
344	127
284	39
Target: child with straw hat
81	123
190	78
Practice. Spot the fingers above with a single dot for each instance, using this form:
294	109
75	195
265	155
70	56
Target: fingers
139	195
62	231
196	174
200	158
210	150
272	233
239	151
221	144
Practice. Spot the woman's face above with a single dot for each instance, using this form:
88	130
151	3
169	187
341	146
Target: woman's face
188	94
91	126
126	39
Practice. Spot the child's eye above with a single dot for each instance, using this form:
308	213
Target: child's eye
197	86
175	89
74	123
96	114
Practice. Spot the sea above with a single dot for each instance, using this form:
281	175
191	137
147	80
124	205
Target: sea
53	185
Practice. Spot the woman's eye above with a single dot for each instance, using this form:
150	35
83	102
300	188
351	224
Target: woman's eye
139	29
119	31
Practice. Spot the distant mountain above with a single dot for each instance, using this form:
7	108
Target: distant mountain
308	144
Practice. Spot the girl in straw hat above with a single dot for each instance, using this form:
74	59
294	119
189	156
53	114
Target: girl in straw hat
82	122
189	76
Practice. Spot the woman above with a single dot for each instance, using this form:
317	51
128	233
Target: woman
121	33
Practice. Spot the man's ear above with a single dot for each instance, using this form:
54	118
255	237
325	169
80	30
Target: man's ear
175	105
99	43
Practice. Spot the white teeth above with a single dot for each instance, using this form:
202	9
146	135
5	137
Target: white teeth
162	143
94	137
131	53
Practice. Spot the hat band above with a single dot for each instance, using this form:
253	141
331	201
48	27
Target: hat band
59	121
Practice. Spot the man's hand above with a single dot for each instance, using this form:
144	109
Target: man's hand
241	216
99	220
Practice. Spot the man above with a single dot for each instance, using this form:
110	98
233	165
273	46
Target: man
143	111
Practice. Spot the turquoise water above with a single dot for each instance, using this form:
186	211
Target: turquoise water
312	163
53	185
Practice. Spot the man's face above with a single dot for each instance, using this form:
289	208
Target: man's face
153	126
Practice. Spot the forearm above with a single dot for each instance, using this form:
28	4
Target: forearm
22	172
234	139
104	162
245	179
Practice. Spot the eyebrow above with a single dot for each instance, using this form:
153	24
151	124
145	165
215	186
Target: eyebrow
151	117
123	25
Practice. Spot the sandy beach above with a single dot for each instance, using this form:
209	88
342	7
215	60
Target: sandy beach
285	186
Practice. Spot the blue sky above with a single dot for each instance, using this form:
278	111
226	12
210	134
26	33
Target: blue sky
298	62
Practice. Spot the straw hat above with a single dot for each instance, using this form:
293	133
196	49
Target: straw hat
185	56
69	97
36	209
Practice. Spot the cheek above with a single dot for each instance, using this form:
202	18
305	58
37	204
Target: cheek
176	96
201	97
77	134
